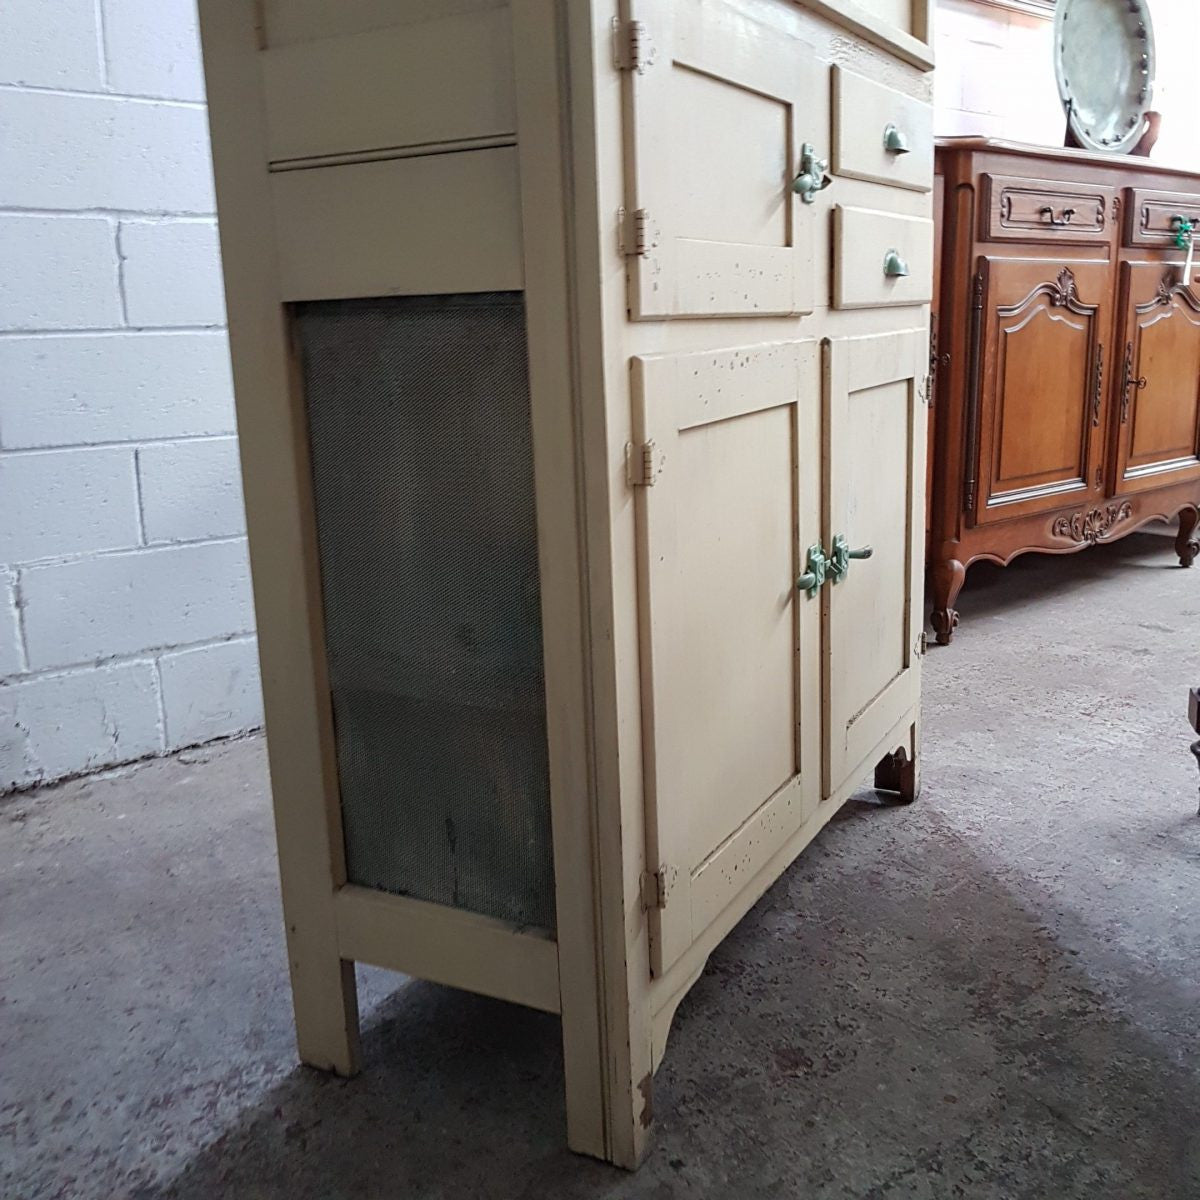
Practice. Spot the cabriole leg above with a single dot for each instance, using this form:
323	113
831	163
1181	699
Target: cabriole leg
1187	545
948	577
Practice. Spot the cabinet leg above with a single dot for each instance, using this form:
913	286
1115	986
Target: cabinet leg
948	577
1187	545
896	772
1196	752
325	1003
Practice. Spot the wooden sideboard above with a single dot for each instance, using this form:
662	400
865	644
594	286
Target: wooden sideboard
1066	349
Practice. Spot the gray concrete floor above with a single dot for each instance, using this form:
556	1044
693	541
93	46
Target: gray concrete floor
993	994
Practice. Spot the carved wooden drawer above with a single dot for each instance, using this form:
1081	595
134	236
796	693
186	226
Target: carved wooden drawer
1043	210
1151	217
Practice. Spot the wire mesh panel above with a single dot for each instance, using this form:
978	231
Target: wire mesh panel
418	414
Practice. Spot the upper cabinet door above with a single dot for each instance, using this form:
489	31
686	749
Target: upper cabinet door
1156	390
1039	365
874	507
729	466
721	108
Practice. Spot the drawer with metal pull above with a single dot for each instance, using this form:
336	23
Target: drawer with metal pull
880	258
1035	210
1161	218
880	134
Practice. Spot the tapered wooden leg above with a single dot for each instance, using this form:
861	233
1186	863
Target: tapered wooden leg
325	1001
897	773
1187	545
948	577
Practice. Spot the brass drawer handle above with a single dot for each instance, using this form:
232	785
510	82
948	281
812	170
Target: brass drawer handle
1065	219
894	267
894	141
812	178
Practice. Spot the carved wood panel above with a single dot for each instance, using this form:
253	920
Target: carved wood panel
1157	398
1040	384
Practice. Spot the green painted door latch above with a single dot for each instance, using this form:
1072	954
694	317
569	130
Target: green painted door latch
842	556
812	177
1182	228
817	572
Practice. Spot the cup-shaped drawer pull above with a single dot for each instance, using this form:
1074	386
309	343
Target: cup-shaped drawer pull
894	140
894	267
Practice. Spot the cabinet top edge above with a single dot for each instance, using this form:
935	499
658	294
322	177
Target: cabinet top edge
986	145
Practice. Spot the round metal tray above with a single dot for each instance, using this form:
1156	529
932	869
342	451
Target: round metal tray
1104	64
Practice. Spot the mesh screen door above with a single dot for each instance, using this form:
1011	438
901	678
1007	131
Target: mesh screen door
418	414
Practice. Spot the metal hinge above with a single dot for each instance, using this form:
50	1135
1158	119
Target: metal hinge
656	887
632	48
643	462
635	233
922	644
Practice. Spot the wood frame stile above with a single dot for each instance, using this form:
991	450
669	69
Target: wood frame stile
607	1064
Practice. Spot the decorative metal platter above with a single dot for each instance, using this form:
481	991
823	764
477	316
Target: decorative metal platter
1104	63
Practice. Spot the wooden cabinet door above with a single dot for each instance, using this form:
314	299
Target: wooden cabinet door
726	510
719	109
874	497
1036	407
1157	381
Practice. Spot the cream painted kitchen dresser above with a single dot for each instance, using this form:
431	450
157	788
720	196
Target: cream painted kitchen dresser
580	353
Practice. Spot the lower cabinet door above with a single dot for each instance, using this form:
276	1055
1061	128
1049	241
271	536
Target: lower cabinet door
1035	410
1157	392
874	530
727	464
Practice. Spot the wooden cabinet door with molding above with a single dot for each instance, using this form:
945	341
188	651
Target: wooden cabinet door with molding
1040	363
1157	380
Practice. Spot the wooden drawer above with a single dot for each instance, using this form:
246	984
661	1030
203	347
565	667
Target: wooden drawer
1150	216
863	242
865	113
1044	210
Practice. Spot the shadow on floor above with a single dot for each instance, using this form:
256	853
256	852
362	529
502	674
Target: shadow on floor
921	1033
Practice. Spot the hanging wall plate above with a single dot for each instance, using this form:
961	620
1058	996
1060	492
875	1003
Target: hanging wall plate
1104	63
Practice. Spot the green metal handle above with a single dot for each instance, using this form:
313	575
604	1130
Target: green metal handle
812	177
1183	229
894	141
843	555
894	267
817	573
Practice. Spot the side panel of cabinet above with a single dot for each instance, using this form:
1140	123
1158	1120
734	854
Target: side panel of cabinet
719	106
1039	402
727	505
1157	393
875	445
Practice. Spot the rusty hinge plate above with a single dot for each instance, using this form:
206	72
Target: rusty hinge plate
632	48
643	462
656	887
636	234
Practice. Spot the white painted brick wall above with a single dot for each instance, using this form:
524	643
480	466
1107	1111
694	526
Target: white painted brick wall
191	490
210	691
126	623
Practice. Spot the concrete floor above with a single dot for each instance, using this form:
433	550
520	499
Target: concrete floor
993	994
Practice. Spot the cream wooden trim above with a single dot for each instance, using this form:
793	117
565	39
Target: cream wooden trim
546	190
448	945
913	47
273	442
435	81
461	219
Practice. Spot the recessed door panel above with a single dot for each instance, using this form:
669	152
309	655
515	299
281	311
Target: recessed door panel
721	518
875	459
1039	361
1158	393
719	109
